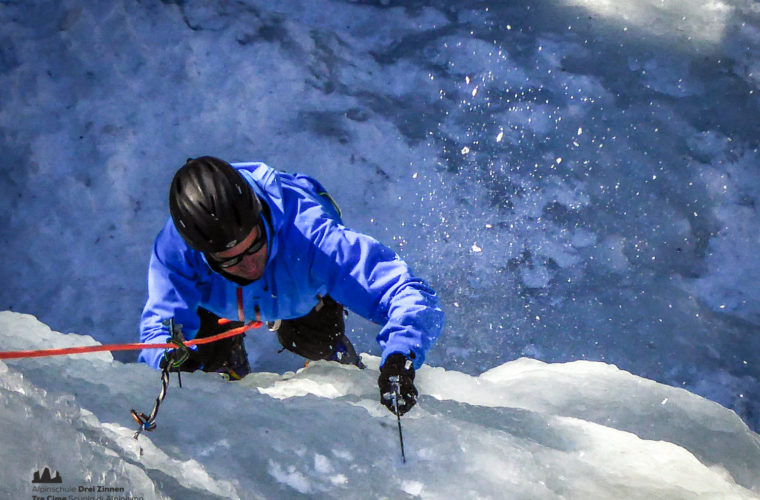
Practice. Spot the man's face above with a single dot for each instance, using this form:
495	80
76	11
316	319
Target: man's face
251	265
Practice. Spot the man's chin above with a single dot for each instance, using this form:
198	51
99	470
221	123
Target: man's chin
251	275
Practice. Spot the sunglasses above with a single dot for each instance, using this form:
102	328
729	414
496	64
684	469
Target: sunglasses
257	244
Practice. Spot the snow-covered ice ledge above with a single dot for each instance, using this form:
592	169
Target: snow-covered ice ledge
525	429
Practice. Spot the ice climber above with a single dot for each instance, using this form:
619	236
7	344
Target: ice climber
245	242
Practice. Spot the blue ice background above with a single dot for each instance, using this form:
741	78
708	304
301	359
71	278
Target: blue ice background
577	180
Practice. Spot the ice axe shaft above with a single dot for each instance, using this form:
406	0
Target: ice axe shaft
396	396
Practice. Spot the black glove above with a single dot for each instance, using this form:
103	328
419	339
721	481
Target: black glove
173	356
397	370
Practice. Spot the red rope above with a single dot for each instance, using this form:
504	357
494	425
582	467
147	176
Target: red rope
125	347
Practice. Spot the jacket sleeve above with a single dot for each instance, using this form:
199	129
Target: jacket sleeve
372	281
172	293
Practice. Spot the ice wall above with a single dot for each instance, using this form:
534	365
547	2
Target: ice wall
578	180
525	429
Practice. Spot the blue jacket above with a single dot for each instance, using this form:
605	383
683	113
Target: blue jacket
310	253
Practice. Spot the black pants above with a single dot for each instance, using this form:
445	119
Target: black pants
318	335
321	334
315	335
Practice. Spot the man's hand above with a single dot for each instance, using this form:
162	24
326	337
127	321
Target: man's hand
173	358
397	370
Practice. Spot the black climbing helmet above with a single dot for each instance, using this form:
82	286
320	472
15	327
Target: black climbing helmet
212	205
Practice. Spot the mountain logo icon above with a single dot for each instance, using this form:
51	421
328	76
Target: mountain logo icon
45	477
